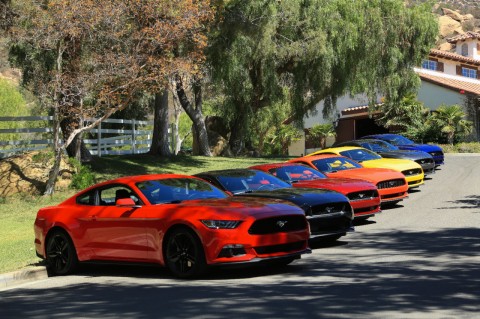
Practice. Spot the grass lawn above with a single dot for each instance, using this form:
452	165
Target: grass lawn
17	214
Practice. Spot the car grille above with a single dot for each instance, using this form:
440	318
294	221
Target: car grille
290	247
317	227
278	224
328	209
424	161
391	183
415	182
412	172
366	209
438	153
363	195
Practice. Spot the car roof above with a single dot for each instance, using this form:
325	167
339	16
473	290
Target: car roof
318	156
274	165
226	172
342	148
385	134
139	178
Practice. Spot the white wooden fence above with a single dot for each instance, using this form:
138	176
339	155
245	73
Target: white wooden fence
106	141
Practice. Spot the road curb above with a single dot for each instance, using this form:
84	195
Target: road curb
23	275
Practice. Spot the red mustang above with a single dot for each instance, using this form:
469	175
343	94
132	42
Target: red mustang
391	184
177	221
363	195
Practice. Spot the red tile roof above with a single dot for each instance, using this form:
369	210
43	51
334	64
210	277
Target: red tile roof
451	83
453	56
463	37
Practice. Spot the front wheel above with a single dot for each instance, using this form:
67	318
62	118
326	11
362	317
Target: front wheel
184	255
61	254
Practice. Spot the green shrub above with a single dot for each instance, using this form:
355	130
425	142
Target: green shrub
43	156
83	176
473	147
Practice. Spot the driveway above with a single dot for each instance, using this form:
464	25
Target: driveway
420	259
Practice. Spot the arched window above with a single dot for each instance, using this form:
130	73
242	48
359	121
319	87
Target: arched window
465	49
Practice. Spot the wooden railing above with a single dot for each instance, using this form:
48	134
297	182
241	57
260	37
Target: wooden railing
134	139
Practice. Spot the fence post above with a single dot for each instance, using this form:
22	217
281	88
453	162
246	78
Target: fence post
99	139
134	145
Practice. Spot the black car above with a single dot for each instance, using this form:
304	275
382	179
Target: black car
329	212
387	150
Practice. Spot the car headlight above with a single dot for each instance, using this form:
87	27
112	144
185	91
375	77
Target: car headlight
221	224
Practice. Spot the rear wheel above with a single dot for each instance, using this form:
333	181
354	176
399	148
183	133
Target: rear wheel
61	254
184	255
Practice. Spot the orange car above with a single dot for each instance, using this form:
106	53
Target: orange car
391	184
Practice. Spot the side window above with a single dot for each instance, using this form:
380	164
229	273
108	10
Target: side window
108	196
86	199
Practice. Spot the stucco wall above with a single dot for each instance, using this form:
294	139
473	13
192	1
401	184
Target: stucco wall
433	96
343	102
472	48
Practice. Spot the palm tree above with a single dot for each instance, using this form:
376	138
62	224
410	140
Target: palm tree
451	120
320	132
408	113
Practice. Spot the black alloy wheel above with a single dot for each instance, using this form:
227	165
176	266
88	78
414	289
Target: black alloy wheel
184	254
61	255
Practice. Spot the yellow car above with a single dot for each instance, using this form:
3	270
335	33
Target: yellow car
413	172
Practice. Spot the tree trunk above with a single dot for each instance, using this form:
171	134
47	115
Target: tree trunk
160	145
200	135
77	148
237	135
58	149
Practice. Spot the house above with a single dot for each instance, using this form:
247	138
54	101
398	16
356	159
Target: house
446	78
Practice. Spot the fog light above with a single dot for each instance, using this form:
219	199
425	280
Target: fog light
232	251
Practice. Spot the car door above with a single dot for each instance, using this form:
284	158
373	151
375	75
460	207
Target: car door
117	232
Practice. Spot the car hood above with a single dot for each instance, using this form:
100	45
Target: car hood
342	185
240	207
405	154
373	175
422	147
391	163
301	196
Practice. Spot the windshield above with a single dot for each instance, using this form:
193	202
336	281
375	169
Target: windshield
174	190
379	146
245	181
296	173
398	140
334	164
360	155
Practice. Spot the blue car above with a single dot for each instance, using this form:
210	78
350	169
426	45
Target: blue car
404	143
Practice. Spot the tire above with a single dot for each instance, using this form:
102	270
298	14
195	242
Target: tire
61	254
184	255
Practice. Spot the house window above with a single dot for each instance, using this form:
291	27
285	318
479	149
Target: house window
430	65
465	49
469	73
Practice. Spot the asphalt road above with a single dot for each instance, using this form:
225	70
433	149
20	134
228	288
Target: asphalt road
420	259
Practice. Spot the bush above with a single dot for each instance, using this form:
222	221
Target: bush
473	147
83	176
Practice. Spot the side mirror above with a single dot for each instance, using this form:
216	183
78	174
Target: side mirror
128	202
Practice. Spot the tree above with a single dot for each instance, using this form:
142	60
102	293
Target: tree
450	119
320	132
195	113
407	113
316	49
102	55
283	137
